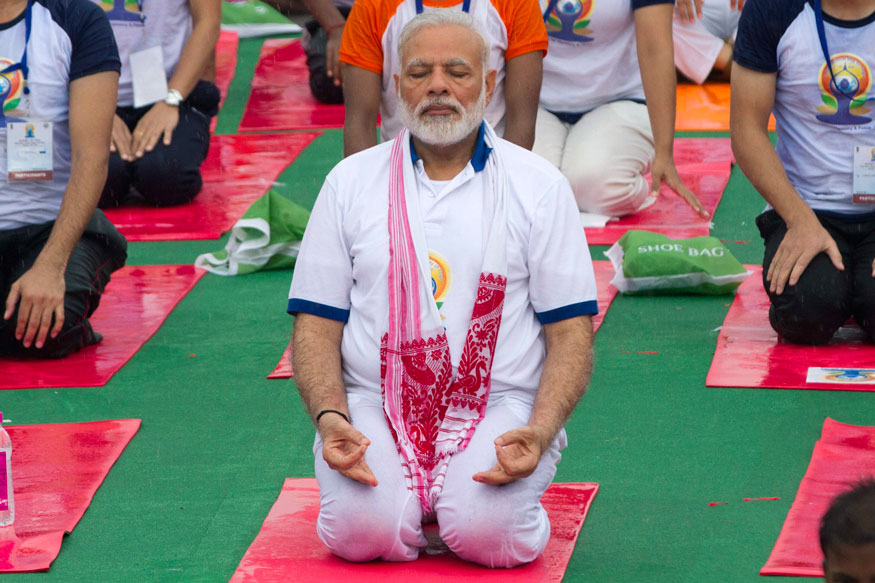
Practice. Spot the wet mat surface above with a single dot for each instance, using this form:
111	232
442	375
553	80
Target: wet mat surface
56	470
844	455
288	549
704	164
748	353
238	170
281	98
136	302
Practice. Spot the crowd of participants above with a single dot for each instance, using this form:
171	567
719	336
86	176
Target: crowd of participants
122	94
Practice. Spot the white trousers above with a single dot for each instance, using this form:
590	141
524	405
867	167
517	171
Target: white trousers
697	45
496	526
605	155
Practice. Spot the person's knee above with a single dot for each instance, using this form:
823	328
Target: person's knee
497	531
364	528
601	187
808	318
166	179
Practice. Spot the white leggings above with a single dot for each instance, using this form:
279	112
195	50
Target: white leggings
496	526
605	155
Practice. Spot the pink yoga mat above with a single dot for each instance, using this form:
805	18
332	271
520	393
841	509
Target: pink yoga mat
606	292
281	98
226	64
288	549
704	165
844	455
135	304
749	354
237	171
56	469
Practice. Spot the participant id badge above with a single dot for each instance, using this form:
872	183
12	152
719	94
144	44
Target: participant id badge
864	174
148	76
29	150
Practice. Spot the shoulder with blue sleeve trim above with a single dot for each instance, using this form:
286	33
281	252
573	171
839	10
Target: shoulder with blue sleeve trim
636	4
760	29
588	308
298	306
89	31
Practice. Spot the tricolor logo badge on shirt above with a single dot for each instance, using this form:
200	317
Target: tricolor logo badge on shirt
844	101
569	20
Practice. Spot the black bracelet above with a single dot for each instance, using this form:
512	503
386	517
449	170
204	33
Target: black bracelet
324	411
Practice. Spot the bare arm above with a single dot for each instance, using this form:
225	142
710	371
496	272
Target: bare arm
362	92
331	21
656	61
41	289
317	366
522	89
565	376
199	49
752	97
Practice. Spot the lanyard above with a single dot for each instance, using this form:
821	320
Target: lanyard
22	64
821	33
466	5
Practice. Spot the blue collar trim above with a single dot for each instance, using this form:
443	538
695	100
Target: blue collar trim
481	150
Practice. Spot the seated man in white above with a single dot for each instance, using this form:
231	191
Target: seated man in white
440	357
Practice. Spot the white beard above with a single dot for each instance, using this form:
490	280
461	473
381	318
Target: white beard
442	130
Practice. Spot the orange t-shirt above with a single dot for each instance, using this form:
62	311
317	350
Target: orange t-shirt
515	27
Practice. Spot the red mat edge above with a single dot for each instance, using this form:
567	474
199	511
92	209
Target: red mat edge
313	485
136	423
709	383
199	273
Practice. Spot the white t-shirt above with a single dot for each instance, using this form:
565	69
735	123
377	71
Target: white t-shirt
146	24
69	39
817	126
343	266
592	58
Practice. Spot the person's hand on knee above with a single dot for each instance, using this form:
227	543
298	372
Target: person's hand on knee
121	140
518	452
343	449
159	121
664	170
736	4
40	295
802	243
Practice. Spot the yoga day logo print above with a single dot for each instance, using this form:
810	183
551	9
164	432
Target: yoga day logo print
122	10
852	375
568	19
11	87
441	277
844	102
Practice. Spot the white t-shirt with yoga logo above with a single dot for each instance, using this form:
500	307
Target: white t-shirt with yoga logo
342	270
592	58
140	24
69	39
818	126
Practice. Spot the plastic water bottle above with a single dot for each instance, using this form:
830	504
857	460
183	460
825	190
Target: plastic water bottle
7	504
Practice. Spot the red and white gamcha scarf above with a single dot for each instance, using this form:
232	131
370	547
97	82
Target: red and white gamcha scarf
431	414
